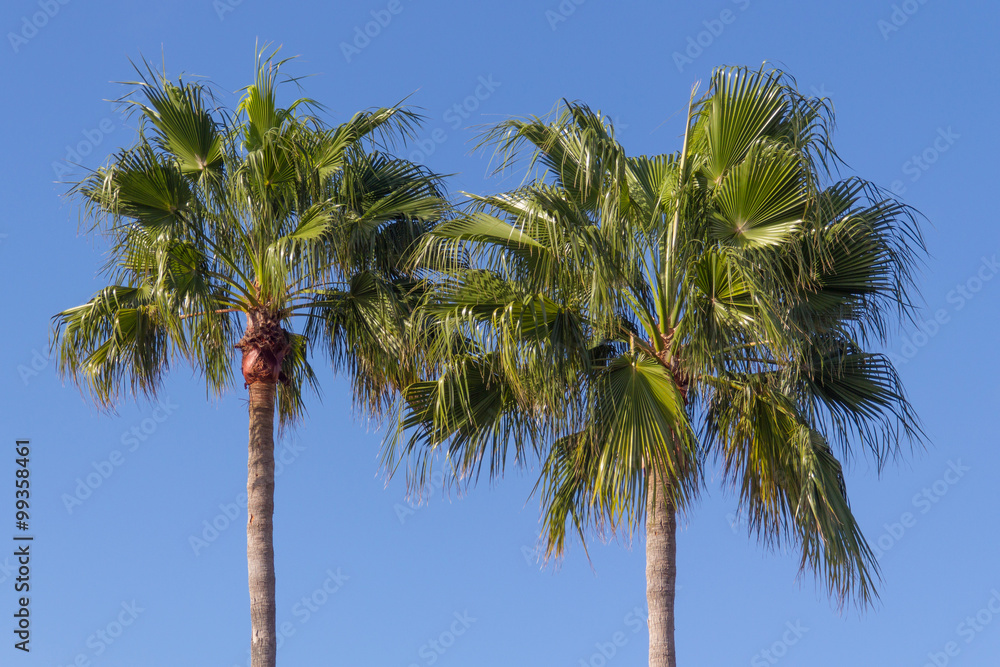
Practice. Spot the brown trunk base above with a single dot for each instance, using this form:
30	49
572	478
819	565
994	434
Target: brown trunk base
661	573
260	529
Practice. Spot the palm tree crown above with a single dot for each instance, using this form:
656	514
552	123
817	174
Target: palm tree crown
633	318
266	215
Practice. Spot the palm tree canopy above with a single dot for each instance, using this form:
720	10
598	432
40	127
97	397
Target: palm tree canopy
263	213
723	303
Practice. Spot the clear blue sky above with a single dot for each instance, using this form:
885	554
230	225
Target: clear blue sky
915	89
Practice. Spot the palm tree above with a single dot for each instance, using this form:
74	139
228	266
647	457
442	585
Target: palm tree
631	320
268	214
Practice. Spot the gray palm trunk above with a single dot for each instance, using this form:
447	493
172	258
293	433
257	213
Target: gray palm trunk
661	573
260	533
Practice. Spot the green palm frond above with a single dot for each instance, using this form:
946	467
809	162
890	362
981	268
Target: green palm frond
114	342
761	201
184	127
474	409
790	485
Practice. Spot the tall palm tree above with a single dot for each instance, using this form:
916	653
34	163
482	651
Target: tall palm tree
631	320
224	229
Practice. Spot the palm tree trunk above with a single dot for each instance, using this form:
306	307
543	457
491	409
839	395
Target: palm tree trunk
661	573
260	529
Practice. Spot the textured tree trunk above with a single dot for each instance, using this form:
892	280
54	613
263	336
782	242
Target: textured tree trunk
661	573
260	530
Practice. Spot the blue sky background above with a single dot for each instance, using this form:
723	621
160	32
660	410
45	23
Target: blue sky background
915	90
